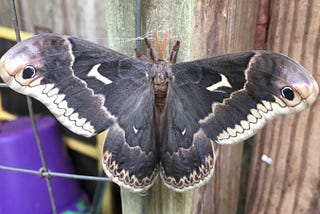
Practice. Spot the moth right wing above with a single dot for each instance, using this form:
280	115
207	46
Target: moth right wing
187	155
224	100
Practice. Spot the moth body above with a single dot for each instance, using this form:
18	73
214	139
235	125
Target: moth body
162	76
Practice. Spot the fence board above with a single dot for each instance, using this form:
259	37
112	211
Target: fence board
218	27
223	26
291	184
176	17
76	17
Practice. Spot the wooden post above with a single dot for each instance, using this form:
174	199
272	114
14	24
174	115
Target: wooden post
176	17
205	28
221	27
291	184
78	18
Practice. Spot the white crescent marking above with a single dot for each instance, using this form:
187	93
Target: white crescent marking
94	73
184	131
135	130
223	83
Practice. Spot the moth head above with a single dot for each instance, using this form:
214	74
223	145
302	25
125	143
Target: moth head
162	72
289	82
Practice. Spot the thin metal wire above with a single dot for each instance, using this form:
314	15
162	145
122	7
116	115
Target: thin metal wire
138	24
138	16
50	174
143	196
18	169
98	196
15	20
31	114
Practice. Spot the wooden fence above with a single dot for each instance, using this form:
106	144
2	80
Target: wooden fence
242	182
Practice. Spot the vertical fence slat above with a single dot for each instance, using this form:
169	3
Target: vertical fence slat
176	17
223	26
291	184
205	28
216	27
84	19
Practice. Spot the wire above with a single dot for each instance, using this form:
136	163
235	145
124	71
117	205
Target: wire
41	173
31	114
15	20
138	16
138	24
143	196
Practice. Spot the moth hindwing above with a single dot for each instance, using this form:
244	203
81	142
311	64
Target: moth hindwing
160	117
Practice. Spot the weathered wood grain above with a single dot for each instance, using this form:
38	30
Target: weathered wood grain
221	27
176	17
292	183
120	18
216	27
75	17
5	17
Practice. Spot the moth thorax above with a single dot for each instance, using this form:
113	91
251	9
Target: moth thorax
161	79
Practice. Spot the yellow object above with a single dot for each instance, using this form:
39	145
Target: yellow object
5	115
81	147
9	34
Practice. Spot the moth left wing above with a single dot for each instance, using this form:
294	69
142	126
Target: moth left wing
74	78
89	89
225	100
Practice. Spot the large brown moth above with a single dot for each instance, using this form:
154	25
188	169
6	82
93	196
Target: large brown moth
161	118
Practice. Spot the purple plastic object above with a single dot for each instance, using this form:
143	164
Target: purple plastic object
27	193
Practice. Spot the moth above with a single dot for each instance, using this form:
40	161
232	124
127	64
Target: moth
160	118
